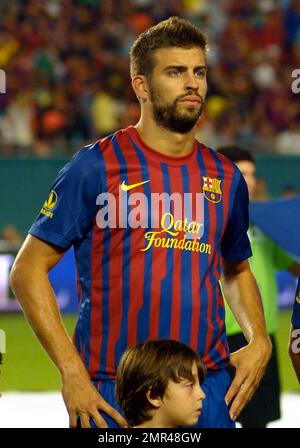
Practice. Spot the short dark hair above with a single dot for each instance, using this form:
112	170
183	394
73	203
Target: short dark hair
149	366
173	32
236	153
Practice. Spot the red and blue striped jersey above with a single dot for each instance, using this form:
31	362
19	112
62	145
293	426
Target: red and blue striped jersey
146	281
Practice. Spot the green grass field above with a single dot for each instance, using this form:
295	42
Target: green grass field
26	367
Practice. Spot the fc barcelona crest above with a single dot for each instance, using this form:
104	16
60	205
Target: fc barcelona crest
212	189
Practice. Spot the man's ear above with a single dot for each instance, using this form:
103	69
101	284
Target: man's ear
155	401
140	86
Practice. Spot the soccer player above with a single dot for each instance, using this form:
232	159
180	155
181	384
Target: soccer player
267	258
294	344
158	385
144	273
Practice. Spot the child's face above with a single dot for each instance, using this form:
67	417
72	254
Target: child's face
182	402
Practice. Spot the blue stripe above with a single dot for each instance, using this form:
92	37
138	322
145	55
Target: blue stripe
214	354
144	313
221	314
122	341
105	280
77	339
83	254
165	312
203	266
186	270
86	301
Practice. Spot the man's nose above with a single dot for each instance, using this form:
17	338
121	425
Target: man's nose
191	81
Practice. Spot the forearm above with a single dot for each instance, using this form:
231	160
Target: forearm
242	294
33	290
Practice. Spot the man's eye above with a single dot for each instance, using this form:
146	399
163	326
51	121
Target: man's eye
200	73
175	72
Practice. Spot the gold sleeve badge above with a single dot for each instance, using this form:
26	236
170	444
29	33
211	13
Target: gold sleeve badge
50	204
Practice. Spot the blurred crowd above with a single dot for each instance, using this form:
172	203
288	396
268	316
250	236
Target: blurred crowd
67	71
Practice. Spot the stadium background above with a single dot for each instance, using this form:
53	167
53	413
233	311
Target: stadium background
68	84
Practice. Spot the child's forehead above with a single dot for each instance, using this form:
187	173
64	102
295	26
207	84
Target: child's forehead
188	374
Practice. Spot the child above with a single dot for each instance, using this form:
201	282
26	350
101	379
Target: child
158	385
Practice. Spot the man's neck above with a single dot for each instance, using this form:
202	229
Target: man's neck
162	140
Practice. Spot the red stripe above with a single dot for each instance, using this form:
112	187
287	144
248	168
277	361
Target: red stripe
159	259
137	242
115	308
195	186
211	171
176	186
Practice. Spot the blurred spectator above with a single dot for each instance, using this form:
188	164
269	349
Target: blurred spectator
105	112
10	234
288	141
261	190
10	239
289	191
67	70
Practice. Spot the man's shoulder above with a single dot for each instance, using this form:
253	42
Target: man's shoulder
118	137
92	154
210	153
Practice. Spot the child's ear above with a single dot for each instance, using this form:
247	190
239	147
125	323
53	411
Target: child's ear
156	401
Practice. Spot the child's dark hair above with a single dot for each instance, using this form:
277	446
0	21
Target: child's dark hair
148	367
236	153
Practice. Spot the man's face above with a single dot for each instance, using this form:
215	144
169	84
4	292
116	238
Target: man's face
177	87
247	169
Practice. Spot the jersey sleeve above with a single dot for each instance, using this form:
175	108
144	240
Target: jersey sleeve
235	242
70	208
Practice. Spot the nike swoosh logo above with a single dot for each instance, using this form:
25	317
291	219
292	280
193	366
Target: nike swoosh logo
125	187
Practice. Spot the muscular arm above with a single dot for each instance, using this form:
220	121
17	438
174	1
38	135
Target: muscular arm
243	297
29	281
242	294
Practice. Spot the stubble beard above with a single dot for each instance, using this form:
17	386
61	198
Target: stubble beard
168	116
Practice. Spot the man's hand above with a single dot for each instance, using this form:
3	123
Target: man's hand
30	283
250	363
294	350
82	400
